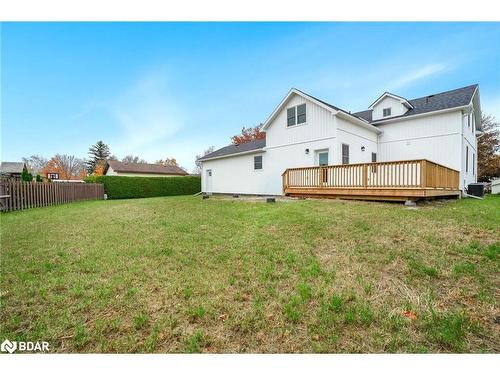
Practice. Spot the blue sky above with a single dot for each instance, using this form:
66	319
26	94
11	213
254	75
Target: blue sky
160	90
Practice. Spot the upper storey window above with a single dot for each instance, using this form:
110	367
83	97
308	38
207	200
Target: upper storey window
386	112
296	115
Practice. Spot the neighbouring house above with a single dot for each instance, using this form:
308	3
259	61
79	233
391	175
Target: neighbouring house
118	168
495	186
398	149
12	169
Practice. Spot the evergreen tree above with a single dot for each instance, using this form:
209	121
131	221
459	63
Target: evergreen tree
98	153
26	176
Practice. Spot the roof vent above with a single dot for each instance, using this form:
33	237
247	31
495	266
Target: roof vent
427	99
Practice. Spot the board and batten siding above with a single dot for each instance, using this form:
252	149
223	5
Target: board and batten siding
319	125
436	138
469	175
289	147
356	137
397	109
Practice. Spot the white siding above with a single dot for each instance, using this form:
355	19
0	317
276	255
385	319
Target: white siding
356	137
397	108
469	175
319	125
235	175
436	137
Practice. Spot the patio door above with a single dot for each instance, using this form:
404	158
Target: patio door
323	161
208	182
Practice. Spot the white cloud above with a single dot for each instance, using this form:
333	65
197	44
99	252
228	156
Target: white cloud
416	75
147	116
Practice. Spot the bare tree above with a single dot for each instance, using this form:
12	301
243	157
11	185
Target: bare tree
167	161
35	163
68	166
197	169
133	159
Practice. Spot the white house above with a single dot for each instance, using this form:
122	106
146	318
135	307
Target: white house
304	131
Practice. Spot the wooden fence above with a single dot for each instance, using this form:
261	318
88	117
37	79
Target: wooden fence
18	195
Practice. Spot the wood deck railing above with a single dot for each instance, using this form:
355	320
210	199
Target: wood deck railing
407	174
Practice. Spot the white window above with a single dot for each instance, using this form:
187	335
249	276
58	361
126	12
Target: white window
386	112
53	176
257	162
296	115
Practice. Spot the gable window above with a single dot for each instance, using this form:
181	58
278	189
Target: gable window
386	112
301	114
466	159
257	162
345	153
296	115
290	114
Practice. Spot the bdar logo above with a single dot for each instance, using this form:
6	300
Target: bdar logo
8	346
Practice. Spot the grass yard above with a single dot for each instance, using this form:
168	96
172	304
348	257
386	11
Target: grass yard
182	274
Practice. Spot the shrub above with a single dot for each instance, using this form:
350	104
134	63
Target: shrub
121	187
26	176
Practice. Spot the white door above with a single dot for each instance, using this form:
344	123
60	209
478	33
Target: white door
208	181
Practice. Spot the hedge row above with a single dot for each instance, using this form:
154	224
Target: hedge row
120	187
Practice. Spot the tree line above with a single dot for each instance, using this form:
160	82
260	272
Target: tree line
70	167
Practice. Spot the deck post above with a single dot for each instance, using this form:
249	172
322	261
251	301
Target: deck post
365	175
423	174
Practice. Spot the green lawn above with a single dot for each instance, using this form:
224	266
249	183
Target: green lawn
182	274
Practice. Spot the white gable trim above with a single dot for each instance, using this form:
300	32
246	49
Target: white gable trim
333	111
385	94
285	100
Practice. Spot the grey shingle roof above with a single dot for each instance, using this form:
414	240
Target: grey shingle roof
236	149
11	167
119	166
430	103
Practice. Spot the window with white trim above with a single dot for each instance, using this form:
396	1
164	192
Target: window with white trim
386	112
296	115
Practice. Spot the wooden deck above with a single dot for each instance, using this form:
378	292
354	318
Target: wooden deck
395	180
